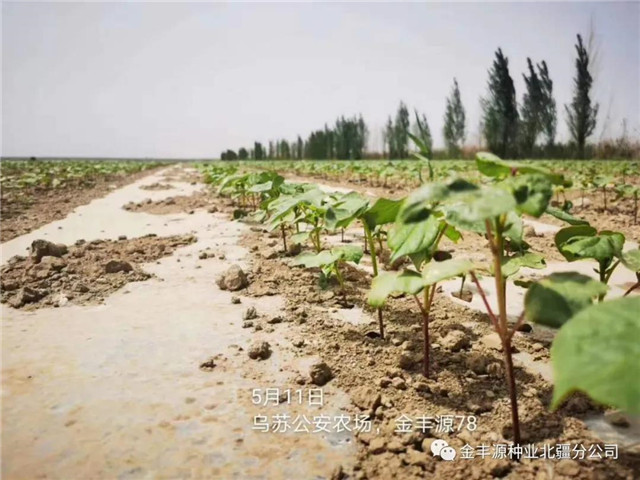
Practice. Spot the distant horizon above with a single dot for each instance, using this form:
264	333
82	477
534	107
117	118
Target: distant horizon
190	80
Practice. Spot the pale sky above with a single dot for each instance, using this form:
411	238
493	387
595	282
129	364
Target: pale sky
187	80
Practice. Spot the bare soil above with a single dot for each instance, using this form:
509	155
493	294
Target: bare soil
30	208
87	273
177	204
157	186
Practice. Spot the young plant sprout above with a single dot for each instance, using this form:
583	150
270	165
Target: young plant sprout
352	207
330	261
584	242
495	211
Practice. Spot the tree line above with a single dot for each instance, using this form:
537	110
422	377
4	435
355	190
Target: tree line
509	128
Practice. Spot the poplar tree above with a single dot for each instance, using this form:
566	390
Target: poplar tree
500	111
532	110
401	131
454	121
389	139
581	115
549	115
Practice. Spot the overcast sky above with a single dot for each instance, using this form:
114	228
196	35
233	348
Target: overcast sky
191	79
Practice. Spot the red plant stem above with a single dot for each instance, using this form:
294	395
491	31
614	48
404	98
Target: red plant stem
425	331
380	323
497	248
508	361
631	289
492	316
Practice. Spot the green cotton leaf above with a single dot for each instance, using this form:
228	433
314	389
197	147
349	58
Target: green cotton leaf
492	166
345	210
257	216
553	300
383	211
565	217
631	260
387	283
261	187
603	180
469	210
452	234
514	230
285	218
300	237
274	181
532	193
616	238
348	253
435	272
407	238
600	247
315	260
419	205
564	234
512	265
597	352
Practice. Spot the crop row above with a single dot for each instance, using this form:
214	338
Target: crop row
595	349
17	175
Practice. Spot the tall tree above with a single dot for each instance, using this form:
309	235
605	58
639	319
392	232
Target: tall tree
229	155
532	110
389	139
500	111
272	152
423	132
581	115
299	149
362	137
549	116
401	131
258	151
283	149
243	154
454	121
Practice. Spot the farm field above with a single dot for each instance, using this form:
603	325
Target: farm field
36	192
142	329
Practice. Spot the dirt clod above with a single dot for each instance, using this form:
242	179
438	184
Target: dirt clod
377	446
250	313
455	341
259	350
115	266
320	373
477	363
568	467
78	275
232	279
41	248
366	398
406	361
208	365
